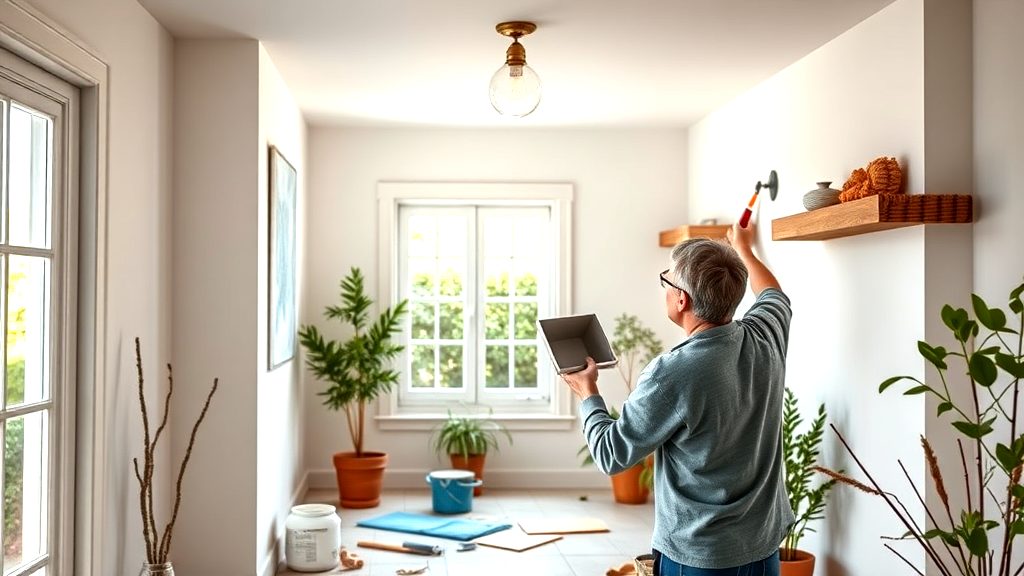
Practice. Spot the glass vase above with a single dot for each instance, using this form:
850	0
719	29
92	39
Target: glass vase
165	569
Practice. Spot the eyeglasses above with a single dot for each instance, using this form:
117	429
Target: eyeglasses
665	282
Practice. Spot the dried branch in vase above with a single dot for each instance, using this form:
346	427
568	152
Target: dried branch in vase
158	547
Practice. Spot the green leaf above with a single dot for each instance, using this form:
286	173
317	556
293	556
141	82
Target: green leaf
964	333
1017	491
972	430
890	381
943	407
1017	528
918	390
953	319
982	369
977	542
992	318
1010	365
934	355
1015	295
1007	459
1016	306
990	351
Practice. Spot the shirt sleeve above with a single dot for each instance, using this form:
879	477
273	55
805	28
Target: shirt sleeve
648	419
770	316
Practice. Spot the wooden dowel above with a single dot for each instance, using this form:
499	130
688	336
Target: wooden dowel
392	548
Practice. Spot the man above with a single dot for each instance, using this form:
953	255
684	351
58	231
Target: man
711	410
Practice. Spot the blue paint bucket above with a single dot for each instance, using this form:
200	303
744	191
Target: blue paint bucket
452	490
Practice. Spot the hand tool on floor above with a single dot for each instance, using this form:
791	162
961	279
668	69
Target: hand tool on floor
394	548
428	548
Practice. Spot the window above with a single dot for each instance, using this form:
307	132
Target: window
479	264
36	119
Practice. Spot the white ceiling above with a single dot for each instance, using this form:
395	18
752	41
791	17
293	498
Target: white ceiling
601	62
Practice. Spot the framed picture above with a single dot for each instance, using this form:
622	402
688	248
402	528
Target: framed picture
281	331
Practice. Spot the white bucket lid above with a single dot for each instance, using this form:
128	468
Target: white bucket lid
313	510
452	474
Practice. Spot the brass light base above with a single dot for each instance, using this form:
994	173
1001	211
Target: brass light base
515	29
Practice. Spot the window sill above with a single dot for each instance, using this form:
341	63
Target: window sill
510	421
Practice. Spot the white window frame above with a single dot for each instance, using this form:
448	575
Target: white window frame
558	198
50	95
38	39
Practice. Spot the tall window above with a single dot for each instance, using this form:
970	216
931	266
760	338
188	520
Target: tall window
34	315
478	269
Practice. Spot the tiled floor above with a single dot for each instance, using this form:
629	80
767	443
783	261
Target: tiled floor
574	555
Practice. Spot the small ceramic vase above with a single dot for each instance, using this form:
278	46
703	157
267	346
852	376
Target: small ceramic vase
821	196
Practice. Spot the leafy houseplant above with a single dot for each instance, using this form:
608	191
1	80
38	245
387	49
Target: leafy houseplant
995	495
800	455
467	440
357	372
635	345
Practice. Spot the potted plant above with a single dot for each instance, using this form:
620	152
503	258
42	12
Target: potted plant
958	539
466	440
634	345
800	456
357	372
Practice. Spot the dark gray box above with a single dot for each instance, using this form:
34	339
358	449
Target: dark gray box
570	339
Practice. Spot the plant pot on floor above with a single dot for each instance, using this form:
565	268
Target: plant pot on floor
359	478
627	488
474	463
802	563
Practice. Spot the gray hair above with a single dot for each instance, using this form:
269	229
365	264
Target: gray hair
712	274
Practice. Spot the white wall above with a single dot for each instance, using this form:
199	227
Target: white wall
139	53
628	186
280	469
860	303
216	299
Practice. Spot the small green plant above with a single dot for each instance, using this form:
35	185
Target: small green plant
466	436
356	369
635	345
800	455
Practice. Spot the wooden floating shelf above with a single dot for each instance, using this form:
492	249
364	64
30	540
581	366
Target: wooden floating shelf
669	238
874	213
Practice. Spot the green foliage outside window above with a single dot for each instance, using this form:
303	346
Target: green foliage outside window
14	452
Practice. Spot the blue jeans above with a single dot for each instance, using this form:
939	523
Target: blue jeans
665	566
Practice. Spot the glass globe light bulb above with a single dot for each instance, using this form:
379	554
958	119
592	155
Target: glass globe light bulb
515	90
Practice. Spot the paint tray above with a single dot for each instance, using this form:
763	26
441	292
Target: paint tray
570	339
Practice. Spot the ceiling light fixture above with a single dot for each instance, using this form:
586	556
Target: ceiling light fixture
515	87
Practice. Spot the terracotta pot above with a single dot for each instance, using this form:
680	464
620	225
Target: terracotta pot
803	565
626	486
475	464
359	478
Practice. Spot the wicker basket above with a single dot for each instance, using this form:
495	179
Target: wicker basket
644	564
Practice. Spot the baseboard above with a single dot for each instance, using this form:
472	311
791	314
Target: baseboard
525	479
275	557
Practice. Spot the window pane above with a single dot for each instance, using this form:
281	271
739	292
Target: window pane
451	366
451	235
530	236
26	483
496	321
451	281
496	277
422	237
496	369
526	279
422	366
497	236
28	295
29	182
422	320
526	367
421	278
526	320
451	321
